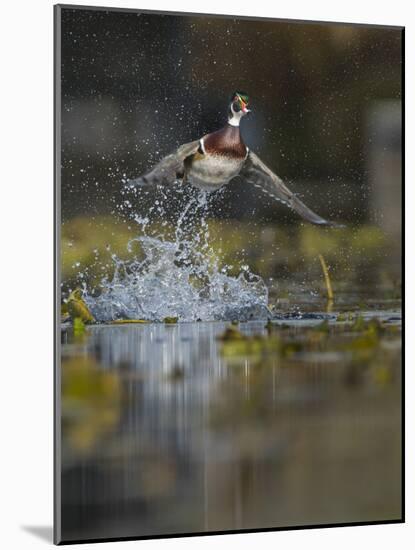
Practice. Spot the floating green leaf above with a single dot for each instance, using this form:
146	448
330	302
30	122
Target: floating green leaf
170	320
77	308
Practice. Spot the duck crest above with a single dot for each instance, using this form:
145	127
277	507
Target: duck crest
225	142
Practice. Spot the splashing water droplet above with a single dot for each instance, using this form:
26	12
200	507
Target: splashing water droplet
178	278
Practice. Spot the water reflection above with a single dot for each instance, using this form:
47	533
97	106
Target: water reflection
163	434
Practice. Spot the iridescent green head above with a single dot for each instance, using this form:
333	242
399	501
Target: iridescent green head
240	102
238	108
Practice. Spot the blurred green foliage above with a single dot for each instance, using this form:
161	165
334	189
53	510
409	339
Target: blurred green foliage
355	255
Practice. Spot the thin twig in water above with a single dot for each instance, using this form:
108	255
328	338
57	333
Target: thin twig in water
329	288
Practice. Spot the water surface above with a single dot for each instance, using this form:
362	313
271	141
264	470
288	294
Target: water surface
167	430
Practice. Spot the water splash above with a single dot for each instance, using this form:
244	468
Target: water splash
181	277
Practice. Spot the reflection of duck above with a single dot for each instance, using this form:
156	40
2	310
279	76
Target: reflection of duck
217	158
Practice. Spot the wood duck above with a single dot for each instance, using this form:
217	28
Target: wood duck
215	159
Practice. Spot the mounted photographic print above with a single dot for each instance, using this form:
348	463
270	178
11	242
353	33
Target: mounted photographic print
228	274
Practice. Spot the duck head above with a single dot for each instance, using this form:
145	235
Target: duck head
238	108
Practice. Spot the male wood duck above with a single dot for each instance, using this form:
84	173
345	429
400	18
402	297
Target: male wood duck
215	159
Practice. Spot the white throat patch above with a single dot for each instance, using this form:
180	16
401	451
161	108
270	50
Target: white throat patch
235	119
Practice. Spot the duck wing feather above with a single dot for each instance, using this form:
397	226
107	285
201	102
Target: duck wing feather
257	173
169	169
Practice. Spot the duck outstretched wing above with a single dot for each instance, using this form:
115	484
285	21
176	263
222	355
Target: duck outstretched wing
257	173
168	169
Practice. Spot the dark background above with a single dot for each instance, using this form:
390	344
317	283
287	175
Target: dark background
325	100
